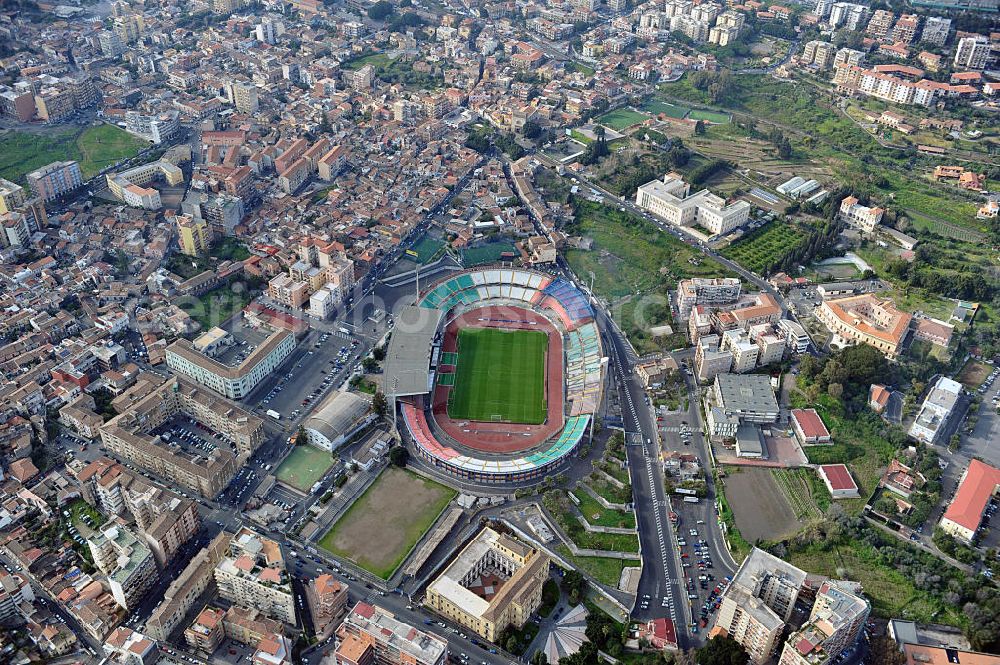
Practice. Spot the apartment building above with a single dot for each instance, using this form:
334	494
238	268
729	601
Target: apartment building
819	53
860	216
127	562
880	24
670	199
848	15
972	52
287	291
706	291
243	96
938	406
709	360
837	618
333	162
232	381
866	319
14	590
327	602
906	29
370	634
12	196
53	180
156	128
17	102
127	435
165	520
936	30
128	186
520	570
758	603
207	632
187	588
745	353
253	575
193	236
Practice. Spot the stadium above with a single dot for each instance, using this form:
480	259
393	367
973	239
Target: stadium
497	373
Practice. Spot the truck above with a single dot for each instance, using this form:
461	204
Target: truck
690	499
343	330
316	487
273	414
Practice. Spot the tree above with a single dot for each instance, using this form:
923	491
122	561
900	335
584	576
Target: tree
380	10
532	130
399	456
379	404
369	364
539	658
722	651
300	436
574	585
699	128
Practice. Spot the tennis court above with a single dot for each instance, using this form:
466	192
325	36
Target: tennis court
500	376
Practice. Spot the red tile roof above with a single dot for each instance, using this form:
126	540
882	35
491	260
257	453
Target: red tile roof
978	485
839	477
810	423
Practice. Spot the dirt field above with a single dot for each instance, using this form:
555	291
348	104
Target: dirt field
973	374
383	525
758	504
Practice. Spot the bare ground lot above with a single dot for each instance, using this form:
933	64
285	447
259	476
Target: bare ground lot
759	505
384	524
974	373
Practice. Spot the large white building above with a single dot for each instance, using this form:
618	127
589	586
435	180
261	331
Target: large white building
671	199
972	52
936	410
232	381
153	128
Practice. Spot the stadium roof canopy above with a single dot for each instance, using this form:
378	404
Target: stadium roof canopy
408	359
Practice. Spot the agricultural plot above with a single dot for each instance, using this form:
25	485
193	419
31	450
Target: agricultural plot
381	527
765	246
620	119
760	507
804	492
501	376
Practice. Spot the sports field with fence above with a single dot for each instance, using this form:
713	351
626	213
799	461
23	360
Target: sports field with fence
500	376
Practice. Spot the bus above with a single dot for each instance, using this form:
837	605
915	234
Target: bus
273	414
690	499
681	490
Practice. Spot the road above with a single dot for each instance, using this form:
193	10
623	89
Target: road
660	591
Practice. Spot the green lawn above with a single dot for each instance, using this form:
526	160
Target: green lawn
598	515
303	467
500	376
709	116
765	246
892	593
427	249
630	253
606	571
668	109
216	306
93	147
378	531
487	253
620	119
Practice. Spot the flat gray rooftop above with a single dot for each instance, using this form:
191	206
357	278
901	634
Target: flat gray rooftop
408	358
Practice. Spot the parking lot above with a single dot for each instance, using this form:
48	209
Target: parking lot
328	362
984	439
701	584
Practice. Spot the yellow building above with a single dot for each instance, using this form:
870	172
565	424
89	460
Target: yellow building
192	235
494	582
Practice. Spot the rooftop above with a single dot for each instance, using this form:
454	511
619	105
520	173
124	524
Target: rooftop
746	393
978	486
407	360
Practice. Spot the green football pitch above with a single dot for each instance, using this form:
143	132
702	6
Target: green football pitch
501	376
